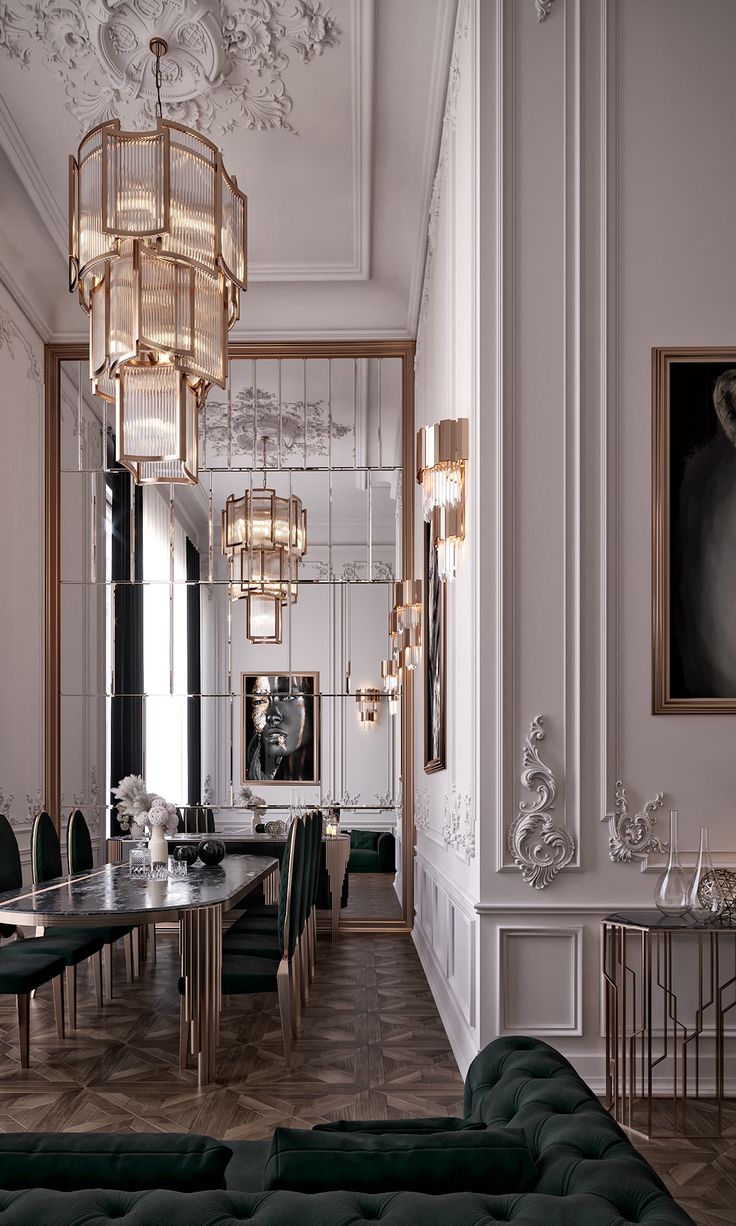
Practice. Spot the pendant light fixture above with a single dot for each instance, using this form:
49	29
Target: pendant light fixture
265	537
442	454
157	242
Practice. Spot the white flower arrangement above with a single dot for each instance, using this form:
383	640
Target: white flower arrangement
137	807
249	800
164	815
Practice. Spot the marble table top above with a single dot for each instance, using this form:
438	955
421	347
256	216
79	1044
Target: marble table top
108	895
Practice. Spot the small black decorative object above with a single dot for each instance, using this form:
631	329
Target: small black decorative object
211	851
185	852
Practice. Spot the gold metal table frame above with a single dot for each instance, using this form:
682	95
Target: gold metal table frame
648	1029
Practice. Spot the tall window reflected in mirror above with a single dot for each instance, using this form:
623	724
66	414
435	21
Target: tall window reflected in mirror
216	654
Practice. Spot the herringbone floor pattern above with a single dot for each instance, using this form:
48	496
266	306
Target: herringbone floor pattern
372	1046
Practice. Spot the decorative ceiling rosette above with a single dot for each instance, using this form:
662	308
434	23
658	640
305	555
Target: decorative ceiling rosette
224	67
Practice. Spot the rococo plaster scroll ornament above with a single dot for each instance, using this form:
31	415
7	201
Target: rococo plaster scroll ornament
543	9
538	846
224	67
458	826
631	836
10	333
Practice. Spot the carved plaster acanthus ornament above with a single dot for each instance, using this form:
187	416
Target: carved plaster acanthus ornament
543	9
458	827
539	847
225	70
631	836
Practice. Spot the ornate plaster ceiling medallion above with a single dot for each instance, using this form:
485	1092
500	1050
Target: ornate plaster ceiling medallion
223	70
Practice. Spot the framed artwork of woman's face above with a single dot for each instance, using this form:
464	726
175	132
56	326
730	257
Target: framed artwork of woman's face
435	632
280	727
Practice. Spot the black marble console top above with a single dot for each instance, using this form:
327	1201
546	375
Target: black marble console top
109	893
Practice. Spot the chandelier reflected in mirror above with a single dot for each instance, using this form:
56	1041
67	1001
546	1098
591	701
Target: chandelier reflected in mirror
157	242
264	535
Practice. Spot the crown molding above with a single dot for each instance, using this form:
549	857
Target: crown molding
38	322
29	172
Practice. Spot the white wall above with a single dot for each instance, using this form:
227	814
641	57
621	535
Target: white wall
21	619
600	220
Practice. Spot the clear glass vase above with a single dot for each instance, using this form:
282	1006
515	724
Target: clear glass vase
673	888
706	895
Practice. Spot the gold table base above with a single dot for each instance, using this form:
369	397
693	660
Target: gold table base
646	1027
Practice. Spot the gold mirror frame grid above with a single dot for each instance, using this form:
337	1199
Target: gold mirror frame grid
662	701
54	355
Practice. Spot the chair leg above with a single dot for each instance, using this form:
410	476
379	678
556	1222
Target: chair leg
136	947
313	931
303	957
294	996
71	995
108	971
183	1039
285	998
23	1002
58	989
152	939
97	972
128	948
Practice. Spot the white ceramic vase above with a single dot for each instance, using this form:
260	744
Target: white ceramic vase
158	846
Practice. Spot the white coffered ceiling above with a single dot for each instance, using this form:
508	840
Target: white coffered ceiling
329	117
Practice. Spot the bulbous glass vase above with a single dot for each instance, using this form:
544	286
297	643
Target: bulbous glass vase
673	889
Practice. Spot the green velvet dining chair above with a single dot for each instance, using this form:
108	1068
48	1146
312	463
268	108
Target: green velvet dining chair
74	945
80	859
11	879
246	974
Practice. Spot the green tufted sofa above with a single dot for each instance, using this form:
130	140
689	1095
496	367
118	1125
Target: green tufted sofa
589	1174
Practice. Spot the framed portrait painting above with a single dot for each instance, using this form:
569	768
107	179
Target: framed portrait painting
280	728
435	638
694	530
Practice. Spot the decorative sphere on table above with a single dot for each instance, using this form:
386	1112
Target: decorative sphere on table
185	852
211	851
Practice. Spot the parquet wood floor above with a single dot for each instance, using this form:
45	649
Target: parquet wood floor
372	896
372	1046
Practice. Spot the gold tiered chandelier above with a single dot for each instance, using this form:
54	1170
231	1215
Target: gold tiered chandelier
264	536
158	254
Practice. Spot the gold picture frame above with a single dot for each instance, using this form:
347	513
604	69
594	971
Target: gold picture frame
689	445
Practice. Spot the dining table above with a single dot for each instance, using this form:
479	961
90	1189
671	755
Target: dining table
108	896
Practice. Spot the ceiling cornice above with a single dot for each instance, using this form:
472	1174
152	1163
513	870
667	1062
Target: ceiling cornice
29	172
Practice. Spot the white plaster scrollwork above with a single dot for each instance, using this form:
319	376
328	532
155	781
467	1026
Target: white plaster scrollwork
631	836
543	9
6	804
540	848
207	790
35	804
223	69
421	810
10	333
458	826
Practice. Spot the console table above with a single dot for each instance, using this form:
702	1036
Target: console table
669	985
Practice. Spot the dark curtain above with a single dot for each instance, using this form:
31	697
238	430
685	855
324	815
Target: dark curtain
126	716
194	678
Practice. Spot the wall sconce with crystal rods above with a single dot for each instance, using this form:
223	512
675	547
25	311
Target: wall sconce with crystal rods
368	699
442	454
391	676
157	252
405	623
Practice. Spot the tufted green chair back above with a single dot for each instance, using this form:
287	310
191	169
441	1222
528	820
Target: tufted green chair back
45	850
79	855
292	870
11	873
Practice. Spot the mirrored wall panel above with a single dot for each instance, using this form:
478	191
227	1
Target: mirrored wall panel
224	639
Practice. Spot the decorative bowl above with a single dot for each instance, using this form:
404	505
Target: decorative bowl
211	851
185	852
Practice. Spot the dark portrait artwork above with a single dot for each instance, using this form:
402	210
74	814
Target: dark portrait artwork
281	728
434	660
695	538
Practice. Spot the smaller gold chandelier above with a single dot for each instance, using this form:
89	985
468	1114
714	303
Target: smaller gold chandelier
368	699
442	454
265	538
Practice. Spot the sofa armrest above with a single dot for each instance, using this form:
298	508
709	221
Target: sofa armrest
386	849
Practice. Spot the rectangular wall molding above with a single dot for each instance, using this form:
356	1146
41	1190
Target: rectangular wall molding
540	981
